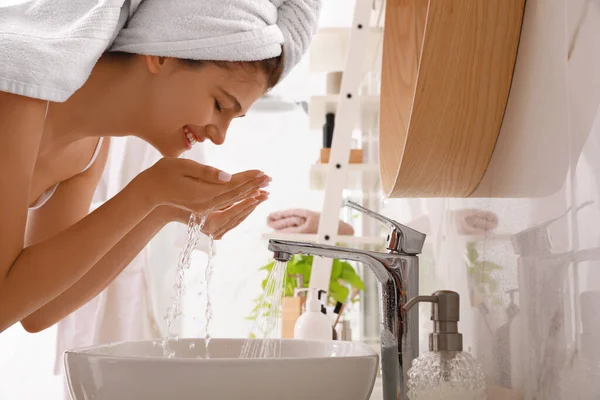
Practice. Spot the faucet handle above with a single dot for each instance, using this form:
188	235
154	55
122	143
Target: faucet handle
401	238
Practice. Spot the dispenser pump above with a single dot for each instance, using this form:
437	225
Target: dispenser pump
445	368
313	300
445	314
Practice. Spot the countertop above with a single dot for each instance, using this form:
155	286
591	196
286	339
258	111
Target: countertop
493	392
377	393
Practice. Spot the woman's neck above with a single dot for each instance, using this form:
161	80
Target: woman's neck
103	106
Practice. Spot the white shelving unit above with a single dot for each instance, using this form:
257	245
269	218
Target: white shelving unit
360	176
353	51
334	43
318	106
356	52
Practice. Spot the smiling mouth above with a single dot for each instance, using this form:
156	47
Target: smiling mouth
191	136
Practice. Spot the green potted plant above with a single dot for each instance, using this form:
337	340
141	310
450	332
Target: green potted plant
483	284
345	284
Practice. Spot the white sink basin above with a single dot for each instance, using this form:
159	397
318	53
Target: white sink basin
137	370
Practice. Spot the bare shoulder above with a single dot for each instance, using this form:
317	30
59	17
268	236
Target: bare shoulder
19	114
21	128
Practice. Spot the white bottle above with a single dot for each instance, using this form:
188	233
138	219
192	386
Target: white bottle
313	324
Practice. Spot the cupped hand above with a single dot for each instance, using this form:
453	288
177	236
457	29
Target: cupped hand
195	187
218	223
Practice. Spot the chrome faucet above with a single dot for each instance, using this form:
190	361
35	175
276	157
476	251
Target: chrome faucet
397	273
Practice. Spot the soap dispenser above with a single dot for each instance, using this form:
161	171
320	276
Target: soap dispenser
445	371
313	324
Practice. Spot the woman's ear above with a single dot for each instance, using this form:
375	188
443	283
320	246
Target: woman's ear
155	63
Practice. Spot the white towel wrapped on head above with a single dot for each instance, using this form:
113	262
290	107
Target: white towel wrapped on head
223	30
48	48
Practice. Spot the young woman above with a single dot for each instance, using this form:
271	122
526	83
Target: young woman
75	73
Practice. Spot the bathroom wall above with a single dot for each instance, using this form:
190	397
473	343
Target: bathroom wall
543	186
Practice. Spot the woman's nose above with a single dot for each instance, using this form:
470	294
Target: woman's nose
217	134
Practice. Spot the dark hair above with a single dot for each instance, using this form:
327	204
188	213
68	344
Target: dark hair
271	67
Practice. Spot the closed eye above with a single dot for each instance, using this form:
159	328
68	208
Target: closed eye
218	106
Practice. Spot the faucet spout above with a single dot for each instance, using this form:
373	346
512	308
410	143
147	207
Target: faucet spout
398	281
284	249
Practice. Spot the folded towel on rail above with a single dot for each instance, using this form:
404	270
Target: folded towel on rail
301	221
474	221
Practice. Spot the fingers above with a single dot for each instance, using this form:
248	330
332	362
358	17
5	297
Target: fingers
237	219
218	222
225	207
206	173
242	184
260	195
242	177
237	209
224	221
246	190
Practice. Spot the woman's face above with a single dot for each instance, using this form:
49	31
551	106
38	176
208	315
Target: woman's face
188	104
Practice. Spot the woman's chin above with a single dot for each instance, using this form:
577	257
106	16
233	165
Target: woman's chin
171	152
166	149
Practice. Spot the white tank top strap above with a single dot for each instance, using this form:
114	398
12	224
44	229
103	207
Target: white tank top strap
95	155
44	197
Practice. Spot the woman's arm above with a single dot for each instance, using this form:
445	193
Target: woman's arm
55	216
70	203
101	275
31	277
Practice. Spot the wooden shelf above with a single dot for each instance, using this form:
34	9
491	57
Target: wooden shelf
360	177
443	94
318	106
304	237
329	47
